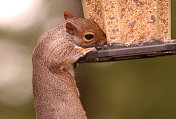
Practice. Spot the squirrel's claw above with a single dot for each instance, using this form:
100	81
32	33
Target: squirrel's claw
75	65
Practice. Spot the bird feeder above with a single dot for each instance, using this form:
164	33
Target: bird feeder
134	29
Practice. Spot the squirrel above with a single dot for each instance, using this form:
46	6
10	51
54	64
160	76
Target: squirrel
54	88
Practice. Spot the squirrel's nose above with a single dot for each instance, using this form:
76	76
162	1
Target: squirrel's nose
101	42
105	42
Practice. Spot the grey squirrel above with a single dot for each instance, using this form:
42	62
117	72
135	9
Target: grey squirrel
54	88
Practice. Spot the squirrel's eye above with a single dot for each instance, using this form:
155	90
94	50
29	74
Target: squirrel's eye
89	36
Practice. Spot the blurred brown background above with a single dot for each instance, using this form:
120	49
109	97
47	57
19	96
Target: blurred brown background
137	89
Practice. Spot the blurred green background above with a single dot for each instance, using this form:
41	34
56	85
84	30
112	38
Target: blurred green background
136	89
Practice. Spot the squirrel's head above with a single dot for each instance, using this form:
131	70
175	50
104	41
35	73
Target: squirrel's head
87	31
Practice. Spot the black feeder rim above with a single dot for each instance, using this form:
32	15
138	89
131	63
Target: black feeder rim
130	50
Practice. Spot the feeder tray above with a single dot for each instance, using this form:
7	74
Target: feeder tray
131	50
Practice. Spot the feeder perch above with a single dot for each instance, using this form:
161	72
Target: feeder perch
134	29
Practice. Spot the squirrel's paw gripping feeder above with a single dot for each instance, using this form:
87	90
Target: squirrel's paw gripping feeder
135	29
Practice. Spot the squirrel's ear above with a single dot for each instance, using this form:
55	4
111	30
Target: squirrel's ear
67	15
70	28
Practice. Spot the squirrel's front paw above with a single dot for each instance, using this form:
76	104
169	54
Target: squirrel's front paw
84	51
